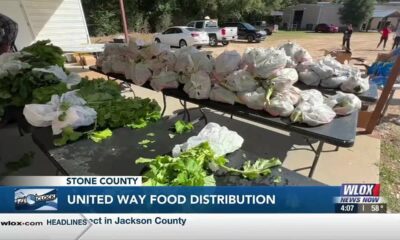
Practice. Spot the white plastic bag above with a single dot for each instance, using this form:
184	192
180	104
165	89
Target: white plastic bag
280	105
153	50
71	80
322	70
201	62
76	116
254	100
168	59
130	70
355	84
284	78
142	74
333	82
312	96
312	115
344	103
221	94
199	85
240	81
42	115
221	140
309	78
227	62
165	80
263	62
10	64
292	94
184	63
302	55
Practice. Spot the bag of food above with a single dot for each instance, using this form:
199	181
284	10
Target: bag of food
199	85
142	74
201	62
240	81
312	96
221	140
130	70
279	105
302	55
76	116
168	59
279	81
221	94
263	62
42	115
355	84
153	50
309	78
292	94
333	82
312	115
184	63
227	62
164	80
344	103
322	70
254	100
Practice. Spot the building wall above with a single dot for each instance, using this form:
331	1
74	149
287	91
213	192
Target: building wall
61	21
310	14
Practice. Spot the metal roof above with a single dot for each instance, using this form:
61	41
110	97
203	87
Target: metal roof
385	13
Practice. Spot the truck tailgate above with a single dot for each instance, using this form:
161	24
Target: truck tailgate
229	32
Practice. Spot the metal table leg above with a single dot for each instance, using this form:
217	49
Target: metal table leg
316	158
164	104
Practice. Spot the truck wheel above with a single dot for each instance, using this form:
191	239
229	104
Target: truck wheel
225	42
182	43
213	41
157	40
250	38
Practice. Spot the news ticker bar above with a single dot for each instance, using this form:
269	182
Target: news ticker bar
200	226
72	181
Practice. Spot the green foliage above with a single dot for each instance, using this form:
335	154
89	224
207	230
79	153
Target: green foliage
99	136
43	54
356	12
68	135
191	168
104	22
43	94
183	127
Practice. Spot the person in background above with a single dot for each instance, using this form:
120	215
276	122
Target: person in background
347	36
8	33
396	41
384	35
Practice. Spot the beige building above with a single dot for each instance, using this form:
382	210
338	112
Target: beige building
307	16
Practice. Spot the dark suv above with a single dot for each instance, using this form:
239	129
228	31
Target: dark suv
247	31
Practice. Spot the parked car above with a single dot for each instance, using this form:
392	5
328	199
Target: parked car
247	31
182	36
216	34
262	25
326	28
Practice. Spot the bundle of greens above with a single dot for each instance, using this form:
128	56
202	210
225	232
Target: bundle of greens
183	127
17	89
192	168
43	54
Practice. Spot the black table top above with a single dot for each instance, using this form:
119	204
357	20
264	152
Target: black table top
340	132
116	156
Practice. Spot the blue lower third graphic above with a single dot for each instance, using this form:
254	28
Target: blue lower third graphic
38	199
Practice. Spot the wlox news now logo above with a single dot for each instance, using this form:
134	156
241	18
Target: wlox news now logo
36	199
359	193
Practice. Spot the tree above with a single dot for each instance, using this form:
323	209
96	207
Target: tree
356	12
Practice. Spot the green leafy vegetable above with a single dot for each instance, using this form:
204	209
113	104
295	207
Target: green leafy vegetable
260	168
193	168
146	141
189	169
150	134
99	136
183	127
68	135
43	95
43	54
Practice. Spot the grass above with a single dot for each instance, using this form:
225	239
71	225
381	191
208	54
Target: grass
390	171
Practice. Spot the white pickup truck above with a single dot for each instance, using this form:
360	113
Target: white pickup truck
216	34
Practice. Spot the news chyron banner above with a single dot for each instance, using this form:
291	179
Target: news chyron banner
101	207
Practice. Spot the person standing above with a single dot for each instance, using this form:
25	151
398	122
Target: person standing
8	33
347	36
396	41
384	35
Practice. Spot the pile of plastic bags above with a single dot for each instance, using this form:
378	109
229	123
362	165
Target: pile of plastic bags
261	79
